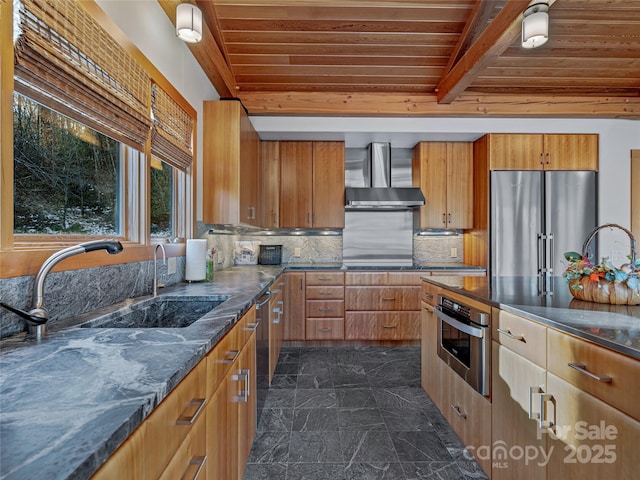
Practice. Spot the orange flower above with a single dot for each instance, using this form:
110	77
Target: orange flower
594	277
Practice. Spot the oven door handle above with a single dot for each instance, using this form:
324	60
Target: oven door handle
477	332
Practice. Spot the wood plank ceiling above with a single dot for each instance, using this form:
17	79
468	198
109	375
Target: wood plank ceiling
421	57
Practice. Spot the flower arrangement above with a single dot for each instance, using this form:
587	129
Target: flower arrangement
603	282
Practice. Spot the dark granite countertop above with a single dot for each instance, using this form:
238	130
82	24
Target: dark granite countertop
419	267
616	327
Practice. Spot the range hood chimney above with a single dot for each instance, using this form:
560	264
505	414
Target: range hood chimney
378	192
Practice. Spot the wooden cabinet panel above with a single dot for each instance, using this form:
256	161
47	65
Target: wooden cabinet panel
543	151
430	293
222	437
128	460
511	378
168	424
277	315
294	301
190	461
382	298
220	359
325	329
270	184
366	278
296	184
432	366
459	185
382	326
231	151
325	293
444	172
611	451
325	308
405	278
325	278
245	396
621	389
570	152
515	152
523	336
328	185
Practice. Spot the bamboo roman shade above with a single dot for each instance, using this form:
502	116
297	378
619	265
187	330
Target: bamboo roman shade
67	61
171	140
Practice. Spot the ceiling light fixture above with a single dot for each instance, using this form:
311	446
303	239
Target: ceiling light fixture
535	25
189	23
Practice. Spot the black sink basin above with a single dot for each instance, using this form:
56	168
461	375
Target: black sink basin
157	313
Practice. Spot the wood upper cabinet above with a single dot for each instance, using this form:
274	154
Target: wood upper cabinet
270	184
231	151
543	151
444	172
296	184
311	184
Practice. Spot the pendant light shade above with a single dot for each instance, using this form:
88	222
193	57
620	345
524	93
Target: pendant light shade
535	26
189	23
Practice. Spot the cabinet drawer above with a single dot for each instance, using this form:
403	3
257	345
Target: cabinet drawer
430	293
405	278
246	326
325	278
325	293
173	419
220	359
382	326
612	377
366	278
382	298
524	337
325	309
190	461
325	329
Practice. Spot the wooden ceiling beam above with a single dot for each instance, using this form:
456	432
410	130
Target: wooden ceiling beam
466	105
494	40
208	55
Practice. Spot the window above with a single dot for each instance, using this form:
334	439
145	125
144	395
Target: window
162	199
67	176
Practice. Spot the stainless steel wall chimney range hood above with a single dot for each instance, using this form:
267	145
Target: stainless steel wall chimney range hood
378	192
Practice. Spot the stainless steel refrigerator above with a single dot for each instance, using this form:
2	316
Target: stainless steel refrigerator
538	216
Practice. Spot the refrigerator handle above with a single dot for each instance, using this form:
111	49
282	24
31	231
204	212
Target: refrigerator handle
540	255
552	253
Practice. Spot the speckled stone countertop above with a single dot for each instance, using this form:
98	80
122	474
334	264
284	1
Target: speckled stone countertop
66	403
616	327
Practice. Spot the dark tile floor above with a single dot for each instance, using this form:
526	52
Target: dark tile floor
354	414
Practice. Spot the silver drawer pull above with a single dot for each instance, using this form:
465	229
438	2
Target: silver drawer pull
324	329
389	326
325	293
325	309
196	461
458	411
519	338
231	356
243	376
388	298
251	327
582	368
428	308
275	291
427	294
184	420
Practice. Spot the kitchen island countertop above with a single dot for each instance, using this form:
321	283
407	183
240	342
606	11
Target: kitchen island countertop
616	327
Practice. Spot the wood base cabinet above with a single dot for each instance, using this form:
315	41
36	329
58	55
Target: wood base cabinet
294	303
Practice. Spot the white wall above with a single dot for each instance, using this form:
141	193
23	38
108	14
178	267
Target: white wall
146	24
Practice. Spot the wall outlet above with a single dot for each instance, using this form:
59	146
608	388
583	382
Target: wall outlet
171	265
454	252
297	252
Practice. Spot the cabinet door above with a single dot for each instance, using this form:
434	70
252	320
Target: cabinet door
382	298
294	302
127	461
296	184
459	185
328	184
249	167
570	152
246	402
222	433
429	173
515	152
431	363
270	184
511	378
591	439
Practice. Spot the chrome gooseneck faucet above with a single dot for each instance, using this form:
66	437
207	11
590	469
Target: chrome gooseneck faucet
37	317
155	267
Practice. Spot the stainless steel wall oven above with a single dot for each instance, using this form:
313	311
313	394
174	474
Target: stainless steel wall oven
464	342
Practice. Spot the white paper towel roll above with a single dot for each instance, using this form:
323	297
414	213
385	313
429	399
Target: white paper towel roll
196	260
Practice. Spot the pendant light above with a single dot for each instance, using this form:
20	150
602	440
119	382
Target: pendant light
189	23
535	25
